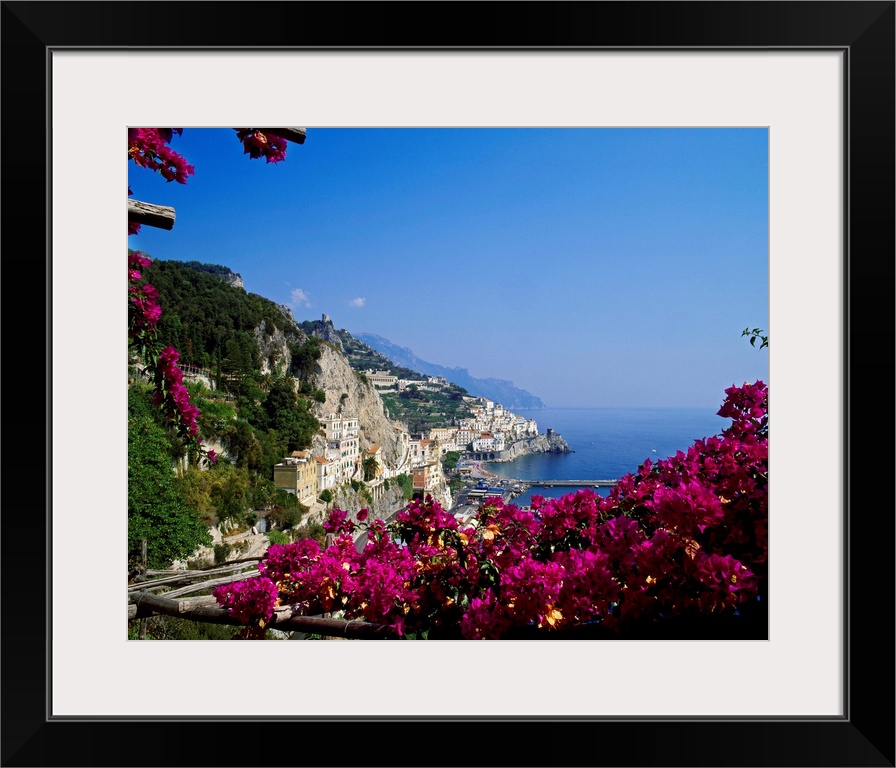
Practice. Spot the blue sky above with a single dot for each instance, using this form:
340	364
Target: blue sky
590	266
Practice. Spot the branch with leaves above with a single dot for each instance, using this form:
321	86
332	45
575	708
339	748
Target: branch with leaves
756	334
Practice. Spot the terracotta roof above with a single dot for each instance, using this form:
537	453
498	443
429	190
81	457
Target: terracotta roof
373	449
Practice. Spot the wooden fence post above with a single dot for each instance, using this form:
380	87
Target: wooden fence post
143	621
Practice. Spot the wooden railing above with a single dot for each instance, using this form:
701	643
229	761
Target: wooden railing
144	602
286	618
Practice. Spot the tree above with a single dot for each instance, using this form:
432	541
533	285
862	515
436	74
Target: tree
156	512
304	358
370	466
290	415
451	459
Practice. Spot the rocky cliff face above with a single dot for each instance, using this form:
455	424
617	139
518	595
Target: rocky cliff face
324	330
386	504
273	348
232	278
346	389
552	443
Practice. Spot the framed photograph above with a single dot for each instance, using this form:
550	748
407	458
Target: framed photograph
817	76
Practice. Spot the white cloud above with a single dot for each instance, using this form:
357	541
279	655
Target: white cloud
298	298
357	302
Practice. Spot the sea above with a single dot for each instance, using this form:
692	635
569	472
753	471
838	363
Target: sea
608	443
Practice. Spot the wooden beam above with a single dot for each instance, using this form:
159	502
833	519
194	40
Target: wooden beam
187	604
189	577
160	216
295	135
285	618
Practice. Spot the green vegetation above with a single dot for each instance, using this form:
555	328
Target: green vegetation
369	466
449	461
210	322
225	492
406	482
422	410
288	512
310	531
756	334
362	357
172	628
305	355
257	418
157	512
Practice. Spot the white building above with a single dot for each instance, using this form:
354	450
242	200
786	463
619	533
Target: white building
327	473
381	378
343	444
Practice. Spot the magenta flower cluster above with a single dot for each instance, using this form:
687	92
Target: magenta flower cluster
252	600
144	311
148	148
257	144
170	393
684	537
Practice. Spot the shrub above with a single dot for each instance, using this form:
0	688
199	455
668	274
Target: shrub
311	531
287	517
406	482
222	552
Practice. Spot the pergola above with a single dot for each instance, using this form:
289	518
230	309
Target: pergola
162	216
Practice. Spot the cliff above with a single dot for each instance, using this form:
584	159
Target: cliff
273	348
346	389
324	330
382	504
549	443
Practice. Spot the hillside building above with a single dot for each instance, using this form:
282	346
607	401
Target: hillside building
297	475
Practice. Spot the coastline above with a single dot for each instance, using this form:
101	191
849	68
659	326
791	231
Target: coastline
526	446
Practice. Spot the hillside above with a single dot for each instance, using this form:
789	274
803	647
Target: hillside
420	410
499	390
253	349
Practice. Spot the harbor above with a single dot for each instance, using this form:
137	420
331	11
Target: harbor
488	484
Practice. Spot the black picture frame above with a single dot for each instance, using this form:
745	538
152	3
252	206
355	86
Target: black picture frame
864	736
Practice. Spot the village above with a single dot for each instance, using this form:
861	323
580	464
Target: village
313	478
